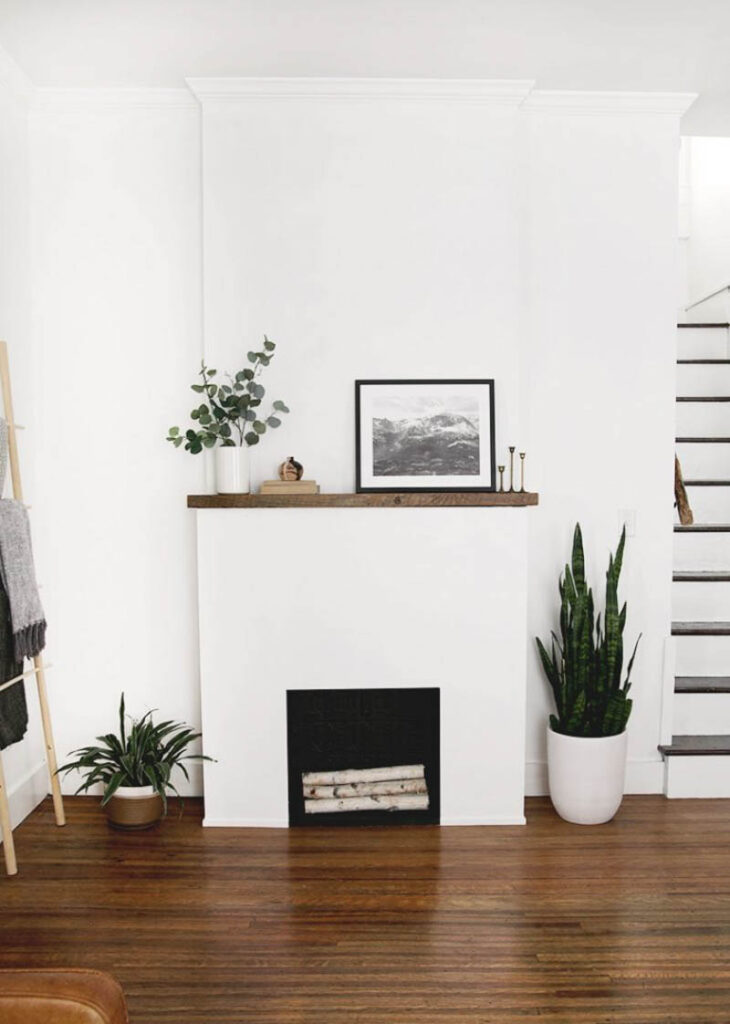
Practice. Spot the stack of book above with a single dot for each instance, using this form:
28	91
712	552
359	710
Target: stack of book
289	487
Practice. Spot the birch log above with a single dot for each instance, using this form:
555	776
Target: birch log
367	789
348	775
407	802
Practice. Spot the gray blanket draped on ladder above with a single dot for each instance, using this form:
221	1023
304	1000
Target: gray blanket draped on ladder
22	622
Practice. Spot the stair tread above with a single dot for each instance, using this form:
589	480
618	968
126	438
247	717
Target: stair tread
702	576
702	440
707	483
698	745
703	398
703	362
702	684
702	528
685	326
701	629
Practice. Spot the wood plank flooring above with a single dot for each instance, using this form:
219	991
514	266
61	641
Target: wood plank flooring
628	922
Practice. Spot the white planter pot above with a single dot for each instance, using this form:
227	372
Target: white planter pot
134	792
586	776
232	470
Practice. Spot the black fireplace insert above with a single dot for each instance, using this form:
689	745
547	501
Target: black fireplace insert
364	757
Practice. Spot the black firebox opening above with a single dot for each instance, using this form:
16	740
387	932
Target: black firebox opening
335	730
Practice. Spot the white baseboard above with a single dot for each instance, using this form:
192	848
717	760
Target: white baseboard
26	793
279	823
507	819
245	822
641	777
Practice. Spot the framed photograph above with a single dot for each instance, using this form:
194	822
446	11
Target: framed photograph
424	435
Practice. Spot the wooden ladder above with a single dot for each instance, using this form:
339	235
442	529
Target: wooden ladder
38	670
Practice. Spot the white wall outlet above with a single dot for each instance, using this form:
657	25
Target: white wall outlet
627	518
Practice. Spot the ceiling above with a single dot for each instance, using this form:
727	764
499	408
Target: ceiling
654	45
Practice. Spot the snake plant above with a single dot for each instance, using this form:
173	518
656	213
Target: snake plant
585	665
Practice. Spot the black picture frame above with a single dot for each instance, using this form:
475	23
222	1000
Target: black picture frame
364	477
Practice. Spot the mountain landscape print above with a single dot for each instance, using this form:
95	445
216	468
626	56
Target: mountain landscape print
426	435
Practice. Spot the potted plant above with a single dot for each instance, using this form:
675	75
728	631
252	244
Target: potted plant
135	768
230	420
586	739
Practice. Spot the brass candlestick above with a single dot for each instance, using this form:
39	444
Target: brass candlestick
501	479
511	467
522	472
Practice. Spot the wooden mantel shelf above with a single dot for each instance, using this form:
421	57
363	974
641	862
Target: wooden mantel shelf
401	499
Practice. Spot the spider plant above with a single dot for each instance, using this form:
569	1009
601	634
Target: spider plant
142	755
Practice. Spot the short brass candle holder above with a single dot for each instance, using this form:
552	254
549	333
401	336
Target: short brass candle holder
501	479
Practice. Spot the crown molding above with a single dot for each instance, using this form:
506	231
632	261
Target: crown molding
54	99
14	80
508	93
563	101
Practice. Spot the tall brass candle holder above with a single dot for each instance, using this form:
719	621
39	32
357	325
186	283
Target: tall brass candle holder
501	479
522	472
511	467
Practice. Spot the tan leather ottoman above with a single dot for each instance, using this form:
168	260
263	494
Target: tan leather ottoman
60	997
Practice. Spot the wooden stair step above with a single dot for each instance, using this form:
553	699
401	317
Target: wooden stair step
702	440
702	576
702	528
693	326
703	398
701	629
702	684
707	483
687	746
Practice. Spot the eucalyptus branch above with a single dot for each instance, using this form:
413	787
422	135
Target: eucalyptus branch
224	406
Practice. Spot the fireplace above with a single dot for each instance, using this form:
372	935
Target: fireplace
364	757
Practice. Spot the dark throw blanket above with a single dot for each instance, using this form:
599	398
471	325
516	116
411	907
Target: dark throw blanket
13	709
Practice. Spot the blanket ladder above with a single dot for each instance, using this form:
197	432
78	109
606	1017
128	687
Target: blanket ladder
38	670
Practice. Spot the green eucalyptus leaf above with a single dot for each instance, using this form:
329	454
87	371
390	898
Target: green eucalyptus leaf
273	421
251	438
259	427
174	431
252	357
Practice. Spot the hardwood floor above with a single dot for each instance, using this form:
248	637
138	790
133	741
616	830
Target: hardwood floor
626	922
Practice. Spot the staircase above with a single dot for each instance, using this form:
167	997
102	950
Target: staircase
698	758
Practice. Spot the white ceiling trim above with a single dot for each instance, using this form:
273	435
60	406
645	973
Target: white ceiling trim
513	93
508	92
573	102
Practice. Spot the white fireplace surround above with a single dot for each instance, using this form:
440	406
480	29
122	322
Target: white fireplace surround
354	598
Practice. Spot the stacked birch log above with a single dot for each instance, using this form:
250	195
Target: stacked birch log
398	788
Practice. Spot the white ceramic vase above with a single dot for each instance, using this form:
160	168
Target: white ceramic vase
586	776
232	469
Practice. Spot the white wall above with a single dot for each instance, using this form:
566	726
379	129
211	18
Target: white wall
117	325
358	255
23	763
600	362
376	239
708	247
